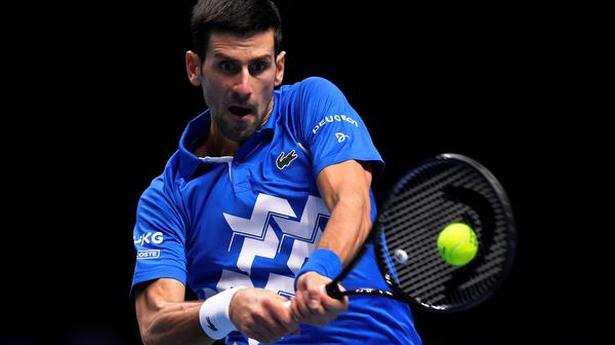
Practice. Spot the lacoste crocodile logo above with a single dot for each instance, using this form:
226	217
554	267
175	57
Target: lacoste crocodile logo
284	160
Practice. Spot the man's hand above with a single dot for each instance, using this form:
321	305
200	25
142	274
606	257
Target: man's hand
311	305
261	315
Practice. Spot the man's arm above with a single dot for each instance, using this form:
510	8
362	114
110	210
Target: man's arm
345	190
165	318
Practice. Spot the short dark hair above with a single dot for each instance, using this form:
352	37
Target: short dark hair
240	17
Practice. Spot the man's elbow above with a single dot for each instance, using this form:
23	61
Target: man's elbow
148	337
152	338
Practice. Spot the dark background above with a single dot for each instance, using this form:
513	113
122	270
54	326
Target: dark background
102	99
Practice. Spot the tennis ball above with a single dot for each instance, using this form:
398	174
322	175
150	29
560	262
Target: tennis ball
457	244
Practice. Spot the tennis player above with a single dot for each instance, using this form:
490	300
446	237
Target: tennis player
266	199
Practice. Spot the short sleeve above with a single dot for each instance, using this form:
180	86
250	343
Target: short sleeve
159	236
333	131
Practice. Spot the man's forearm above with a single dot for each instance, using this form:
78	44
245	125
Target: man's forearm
175	324
348	227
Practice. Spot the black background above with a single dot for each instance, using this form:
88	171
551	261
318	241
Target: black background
101	99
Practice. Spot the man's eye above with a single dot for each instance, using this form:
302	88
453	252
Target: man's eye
228	67
258	67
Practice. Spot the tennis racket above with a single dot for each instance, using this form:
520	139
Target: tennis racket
446	189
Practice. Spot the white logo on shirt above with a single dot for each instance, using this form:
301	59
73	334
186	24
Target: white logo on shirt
341	137
148	254
334	118
260	239
147	238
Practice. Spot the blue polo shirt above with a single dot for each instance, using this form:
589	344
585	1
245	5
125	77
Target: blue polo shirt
252	219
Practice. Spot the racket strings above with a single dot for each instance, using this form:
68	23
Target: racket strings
424	185
420	205
417	214
421	216
415	240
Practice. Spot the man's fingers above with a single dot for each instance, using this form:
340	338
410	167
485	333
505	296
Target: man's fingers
262	315
314	303
304	312
302	308
268	328
282	316
294	310
335	305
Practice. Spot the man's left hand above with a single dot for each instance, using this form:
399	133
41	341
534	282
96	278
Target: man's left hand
311	304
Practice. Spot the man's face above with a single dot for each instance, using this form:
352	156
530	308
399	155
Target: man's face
238	77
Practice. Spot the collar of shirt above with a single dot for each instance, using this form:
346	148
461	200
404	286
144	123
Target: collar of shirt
198	129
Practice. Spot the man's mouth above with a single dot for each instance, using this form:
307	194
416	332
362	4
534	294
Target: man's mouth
239	111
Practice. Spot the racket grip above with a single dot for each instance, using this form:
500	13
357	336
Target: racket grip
333	290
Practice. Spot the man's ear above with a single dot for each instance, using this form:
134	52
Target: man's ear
279	72
193	67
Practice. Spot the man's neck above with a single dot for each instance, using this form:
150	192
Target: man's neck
216	144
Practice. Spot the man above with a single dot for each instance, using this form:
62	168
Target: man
266	199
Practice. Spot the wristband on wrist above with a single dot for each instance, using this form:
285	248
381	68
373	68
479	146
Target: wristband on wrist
324	262
214	315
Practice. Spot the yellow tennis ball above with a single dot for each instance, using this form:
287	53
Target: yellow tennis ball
457	244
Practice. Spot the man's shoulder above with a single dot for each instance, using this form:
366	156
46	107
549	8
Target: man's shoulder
304	103
163	185
316	81
312	85
307	96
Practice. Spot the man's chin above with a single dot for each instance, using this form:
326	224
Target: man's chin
239	134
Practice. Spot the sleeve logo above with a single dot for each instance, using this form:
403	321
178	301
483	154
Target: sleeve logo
148	254
334	118
341	137
149	237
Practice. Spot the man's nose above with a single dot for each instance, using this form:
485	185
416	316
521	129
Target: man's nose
242	88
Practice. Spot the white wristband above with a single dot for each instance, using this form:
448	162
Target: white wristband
214	314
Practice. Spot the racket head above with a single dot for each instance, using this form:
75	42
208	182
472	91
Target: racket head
448	188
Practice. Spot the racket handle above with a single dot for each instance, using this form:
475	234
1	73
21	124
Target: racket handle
333	290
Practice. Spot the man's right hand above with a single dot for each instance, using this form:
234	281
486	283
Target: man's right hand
261	314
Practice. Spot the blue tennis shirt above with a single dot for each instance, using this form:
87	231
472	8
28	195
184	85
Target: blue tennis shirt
254	218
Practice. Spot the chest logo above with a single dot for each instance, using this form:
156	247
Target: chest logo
284	160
